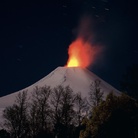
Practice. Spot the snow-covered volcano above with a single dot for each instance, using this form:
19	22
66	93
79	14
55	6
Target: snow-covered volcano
77	78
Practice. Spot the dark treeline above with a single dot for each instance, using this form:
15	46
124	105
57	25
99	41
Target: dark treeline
59	113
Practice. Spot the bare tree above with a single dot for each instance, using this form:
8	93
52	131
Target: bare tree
40	110
62	102
67	105
56	102
95	94
80	108
16	117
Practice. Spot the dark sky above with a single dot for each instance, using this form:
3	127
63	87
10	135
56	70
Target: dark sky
34	38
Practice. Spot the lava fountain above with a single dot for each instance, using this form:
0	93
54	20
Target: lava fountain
81	53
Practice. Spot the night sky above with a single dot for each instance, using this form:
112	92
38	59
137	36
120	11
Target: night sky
34	38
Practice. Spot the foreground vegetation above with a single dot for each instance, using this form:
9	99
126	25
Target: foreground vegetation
60	113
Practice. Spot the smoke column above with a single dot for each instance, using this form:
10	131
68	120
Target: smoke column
82	51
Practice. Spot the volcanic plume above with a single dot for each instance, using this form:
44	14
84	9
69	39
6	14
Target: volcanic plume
82	52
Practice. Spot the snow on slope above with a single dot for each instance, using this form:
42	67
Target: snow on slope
77	78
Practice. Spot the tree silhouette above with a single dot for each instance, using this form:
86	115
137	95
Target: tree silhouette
81	108
62	102
40	110
95	94
16	116
116	117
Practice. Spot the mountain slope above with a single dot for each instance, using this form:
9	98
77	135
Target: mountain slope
77	78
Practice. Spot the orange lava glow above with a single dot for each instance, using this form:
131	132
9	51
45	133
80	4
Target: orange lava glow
80	54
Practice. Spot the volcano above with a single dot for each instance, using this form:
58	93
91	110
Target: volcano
79	79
